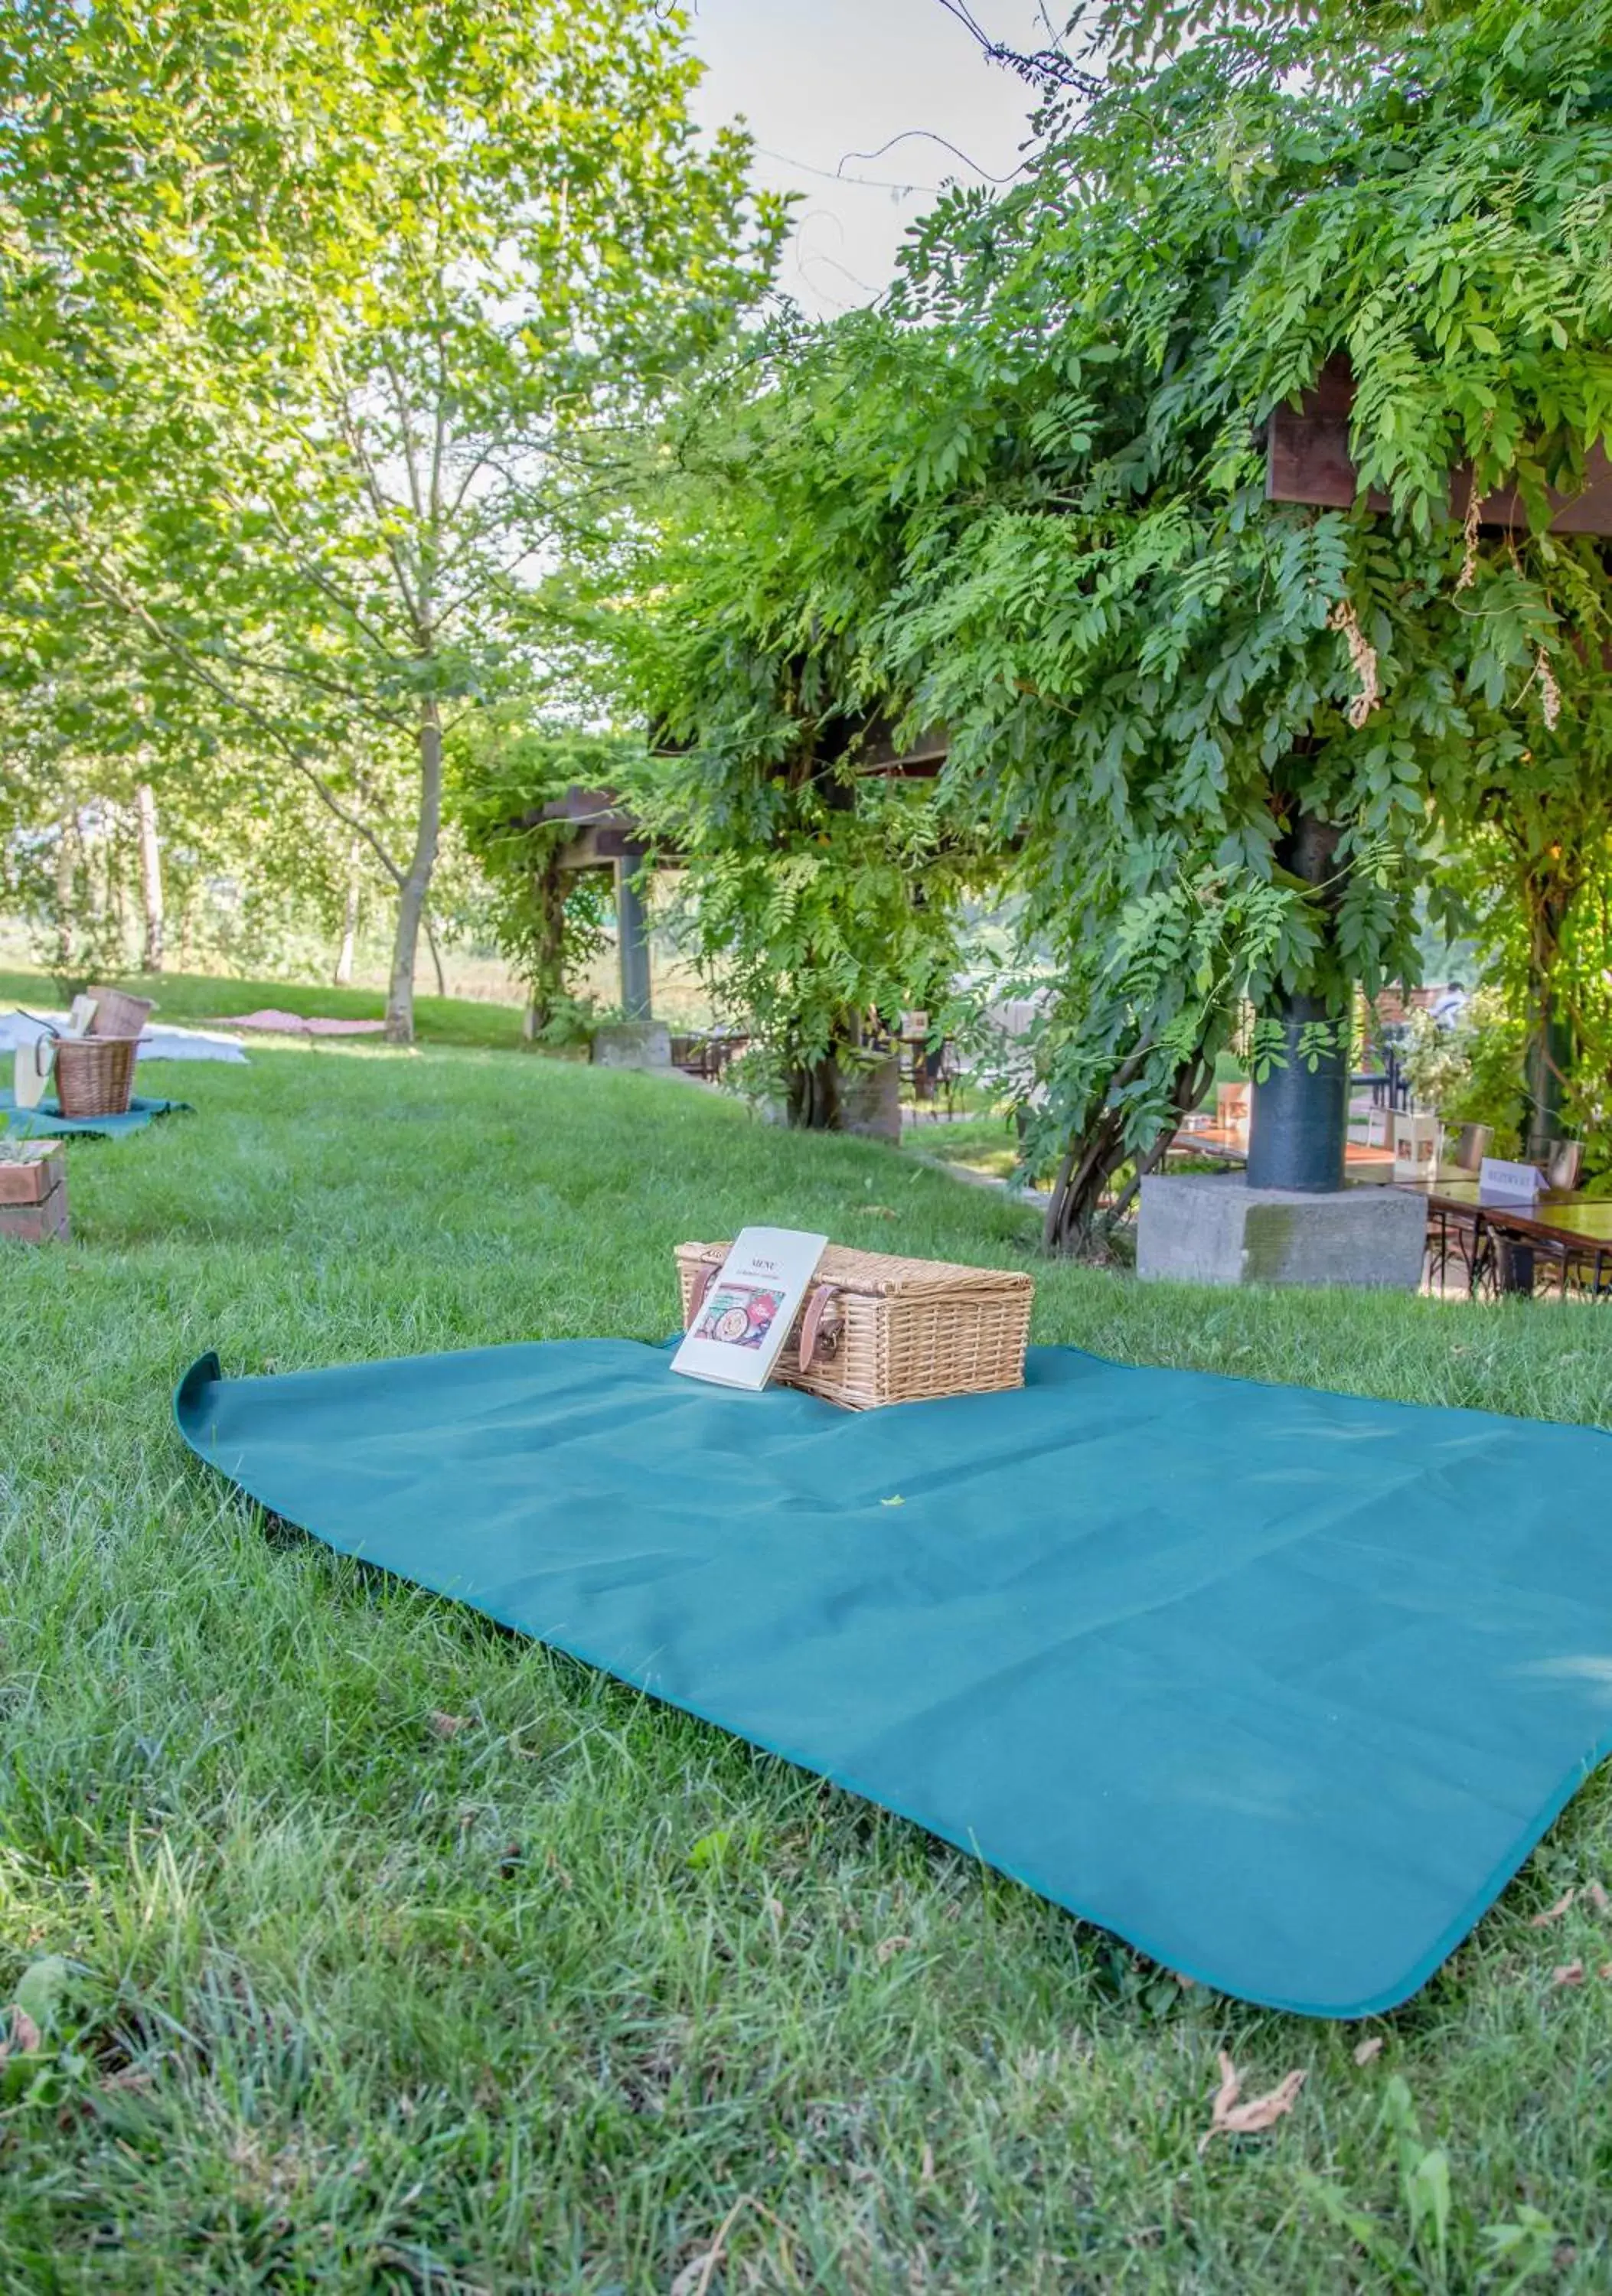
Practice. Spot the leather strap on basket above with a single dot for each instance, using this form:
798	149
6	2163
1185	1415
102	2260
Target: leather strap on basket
704	1278
811	1322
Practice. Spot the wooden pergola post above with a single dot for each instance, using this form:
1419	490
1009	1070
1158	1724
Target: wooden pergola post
632	942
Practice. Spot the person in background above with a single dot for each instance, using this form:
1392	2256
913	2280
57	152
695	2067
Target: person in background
1449	1004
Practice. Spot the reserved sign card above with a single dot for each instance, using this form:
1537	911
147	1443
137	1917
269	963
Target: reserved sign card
1508	1184
745	1317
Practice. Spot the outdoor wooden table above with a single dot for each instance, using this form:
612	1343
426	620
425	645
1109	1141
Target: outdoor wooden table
1565	1225
1231	1148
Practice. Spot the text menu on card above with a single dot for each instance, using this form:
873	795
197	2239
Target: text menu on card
744	1318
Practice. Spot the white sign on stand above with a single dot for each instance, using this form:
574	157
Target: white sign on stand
32	1073
1416	1140
1501	1183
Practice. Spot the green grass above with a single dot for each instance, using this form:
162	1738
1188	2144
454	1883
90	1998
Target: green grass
983	1140
352	2004
191	999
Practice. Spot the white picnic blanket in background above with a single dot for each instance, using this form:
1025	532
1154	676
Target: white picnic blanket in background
155	1044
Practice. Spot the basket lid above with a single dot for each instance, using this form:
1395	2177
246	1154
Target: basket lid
885	1274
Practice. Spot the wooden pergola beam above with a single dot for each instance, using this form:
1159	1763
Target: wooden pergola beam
604	831
916	761
1307	460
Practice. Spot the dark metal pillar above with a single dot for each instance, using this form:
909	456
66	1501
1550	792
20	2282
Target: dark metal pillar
1299	1116
1550	1058
632	943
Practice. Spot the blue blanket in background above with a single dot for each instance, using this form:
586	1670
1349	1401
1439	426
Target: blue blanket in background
1280	1686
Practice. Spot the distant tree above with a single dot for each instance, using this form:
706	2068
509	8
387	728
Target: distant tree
309	310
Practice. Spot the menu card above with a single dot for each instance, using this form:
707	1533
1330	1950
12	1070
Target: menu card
745	1317
32	1072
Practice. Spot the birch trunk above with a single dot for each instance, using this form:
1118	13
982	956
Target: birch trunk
151	877
66	882
342	976
417	884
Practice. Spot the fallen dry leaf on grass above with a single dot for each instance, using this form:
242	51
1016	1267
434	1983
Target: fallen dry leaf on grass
23	2035
133	2080
1230	2117
696	2277
927	2166
892	1945
1598	1898
1227	2092
1605	1970
1553	1913
1368	2049
1569	1973
449	1726
878	1211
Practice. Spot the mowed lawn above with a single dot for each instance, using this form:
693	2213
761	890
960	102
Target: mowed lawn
401	1955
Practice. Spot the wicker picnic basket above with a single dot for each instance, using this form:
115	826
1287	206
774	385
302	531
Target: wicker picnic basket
95	1075
878	1329
117	1014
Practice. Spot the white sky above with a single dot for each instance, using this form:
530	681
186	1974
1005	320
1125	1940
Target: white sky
818	80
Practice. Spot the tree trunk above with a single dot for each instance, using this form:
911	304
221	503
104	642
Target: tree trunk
115	909
151	877
66	881
813	1102
1076	1215
547	983
342	976
416	885
436	954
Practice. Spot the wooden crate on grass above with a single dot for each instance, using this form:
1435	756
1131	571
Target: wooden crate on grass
117	1014
33	1191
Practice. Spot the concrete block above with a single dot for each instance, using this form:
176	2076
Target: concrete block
870	1099
632	1045
1211	1227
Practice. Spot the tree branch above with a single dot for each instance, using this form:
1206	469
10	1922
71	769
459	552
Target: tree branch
109	589
312	572
404	423
382	510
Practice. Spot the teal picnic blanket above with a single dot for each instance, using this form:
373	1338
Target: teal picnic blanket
44	1122
1280	1686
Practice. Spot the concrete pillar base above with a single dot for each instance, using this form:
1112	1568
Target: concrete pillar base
632	1045
1211	1227
870	1101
